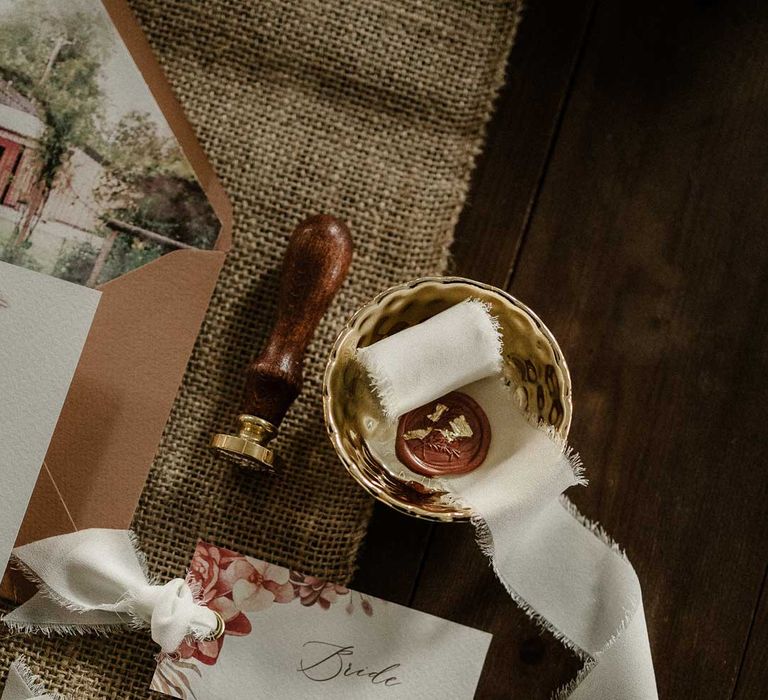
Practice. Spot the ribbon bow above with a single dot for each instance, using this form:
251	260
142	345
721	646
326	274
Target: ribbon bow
96	579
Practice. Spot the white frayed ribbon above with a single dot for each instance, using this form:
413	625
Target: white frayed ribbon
96	580
564	571
561	569
402	382
22	684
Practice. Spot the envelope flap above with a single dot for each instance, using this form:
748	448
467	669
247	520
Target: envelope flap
122	393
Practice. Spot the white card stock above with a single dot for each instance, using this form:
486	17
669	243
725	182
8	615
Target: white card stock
294	636
43	326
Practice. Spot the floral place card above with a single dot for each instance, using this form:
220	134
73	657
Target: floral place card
43	326
289	635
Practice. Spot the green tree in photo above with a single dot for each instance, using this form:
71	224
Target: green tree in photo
148	202
53	54
149	184
75	262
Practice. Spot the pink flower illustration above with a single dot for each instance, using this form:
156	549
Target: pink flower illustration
311	590
255	585
207	651
204	570
207	570
234	585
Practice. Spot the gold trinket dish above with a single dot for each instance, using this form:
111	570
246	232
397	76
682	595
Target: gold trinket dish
365	440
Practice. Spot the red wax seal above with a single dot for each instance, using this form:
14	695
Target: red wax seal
450	435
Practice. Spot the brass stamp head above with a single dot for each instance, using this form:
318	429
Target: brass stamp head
249	447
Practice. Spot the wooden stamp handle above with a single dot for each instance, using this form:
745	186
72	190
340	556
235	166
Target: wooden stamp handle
314	267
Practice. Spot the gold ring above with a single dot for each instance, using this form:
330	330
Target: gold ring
220	627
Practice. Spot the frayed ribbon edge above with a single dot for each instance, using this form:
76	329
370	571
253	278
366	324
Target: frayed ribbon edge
134	621
484	540
32	680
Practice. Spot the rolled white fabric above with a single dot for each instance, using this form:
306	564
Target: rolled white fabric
95	579
560	568
443	343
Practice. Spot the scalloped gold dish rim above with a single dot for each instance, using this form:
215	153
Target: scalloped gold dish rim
377	490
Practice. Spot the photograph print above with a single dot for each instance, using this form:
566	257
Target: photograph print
93	183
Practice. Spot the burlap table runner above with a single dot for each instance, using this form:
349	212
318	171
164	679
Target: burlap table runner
370	110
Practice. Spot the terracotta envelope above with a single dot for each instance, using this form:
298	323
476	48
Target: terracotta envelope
134	358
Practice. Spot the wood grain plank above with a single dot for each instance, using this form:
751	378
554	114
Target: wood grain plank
753	676
392	555
646	256
519	140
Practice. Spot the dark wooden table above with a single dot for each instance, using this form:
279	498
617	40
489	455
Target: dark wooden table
623	195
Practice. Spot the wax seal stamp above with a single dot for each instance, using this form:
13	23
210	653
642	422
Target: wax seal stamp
450	435
315	264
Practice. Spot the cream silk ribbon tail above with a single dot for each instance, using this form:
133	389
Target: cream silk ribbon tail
22	684
561	569
96	580
564	571
583	590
